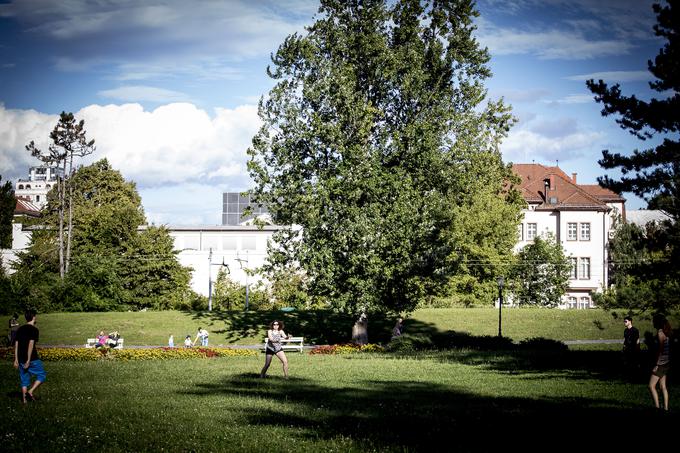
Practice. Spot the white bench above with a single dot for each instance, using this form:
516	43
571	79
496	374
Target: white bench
290	344
92	343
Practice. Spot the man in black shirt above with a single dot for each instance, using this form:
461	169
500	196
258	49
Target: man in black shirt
631	348
26	357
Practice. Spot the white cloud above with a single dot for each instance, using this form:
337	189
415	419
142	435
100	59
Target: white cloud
172	145
143	93
526	145
549	45
573	99
513	95
613	76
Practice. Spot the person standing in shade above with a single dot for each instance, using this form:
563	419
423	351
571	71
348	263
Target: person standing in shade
663	361
274	348
398	329
26	358
631	348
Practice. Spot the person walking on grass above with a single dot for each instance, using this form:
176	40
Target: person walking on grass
26	358
631	348
274	336
663	362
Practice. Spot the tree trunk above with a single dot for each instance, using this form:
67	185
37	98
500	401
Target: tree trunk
360	330
62	201
70	215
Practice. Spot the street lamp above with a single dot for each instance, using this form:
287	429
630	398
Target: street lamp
501	282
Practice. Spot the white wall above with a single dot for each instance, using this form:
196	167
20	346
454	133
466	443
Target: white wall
229	245
20	240
556	222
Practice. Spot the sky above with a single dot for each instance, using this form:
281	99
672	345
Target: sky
169	88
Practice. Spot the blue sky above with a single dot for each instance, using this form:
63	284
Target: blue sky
169	88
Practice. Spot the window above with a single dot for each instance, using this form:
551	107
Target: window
574	268
531	231
21	187
572	228
584	302
585	269
520	232
572	302
229	243
249	243
37	198
585	231
210	242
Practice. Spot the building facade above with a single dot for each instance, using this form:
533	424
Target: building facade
581	217
234	205
40	180
208	249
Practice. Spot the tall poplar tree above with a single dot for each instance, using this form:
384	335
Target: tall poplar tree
68	142
652	173
375	131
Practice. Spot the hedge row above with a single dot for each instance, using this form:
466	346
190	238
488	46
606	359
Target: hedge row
85	355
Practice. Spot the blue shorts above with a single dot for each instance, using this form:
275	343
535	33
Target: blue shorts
35	368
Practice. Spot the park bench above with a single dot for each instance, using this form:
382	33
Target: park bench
92	342
291	344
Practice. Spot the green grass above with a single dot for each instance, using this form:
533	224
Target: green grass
445	401
319	327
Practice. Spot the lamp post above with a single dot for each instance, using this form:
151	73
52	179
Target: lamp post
240	262
210	281
501	282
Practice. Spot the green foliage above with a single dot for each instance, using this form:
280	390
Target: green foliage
409	343
7	206
113	266
374	140
541	275
652	173
641	281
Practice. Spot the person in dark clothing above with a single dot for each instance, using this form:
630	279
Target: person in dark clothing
26	358
631	348
13	327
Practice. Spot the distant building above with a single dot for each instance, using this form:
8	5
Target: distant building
234	205
40	180
207	249
582	218
20	237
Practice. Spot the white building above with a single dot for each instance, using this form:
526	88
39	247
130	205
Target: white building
581	217
235	248
40	180
20	237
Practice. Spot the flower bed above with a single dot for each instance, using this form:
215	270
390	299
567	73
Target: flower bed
347	349
84	354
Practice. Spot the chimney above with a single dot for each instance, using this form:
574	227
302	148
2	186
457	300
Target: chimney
573	178
552	182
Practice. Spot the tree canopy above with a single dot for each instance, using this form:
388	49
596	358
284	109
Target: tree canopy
652	173
375	138
7	206
541	274
114	265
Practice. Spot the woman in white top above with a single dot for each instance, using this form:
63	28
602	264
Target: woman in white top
274	336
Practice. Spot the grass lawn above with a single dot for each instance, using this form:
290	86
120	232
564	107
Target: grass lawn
320	327
444	401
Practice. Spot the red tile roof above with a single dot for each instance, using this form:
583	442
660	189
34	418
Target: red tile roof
562	192
25	207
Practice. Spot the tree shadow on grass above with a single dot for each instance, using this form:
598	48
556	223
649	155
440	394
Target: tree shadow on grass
319	327
394	415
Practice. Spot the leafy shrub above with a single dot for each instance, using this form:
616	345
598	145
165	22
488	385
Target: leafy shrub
410	342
